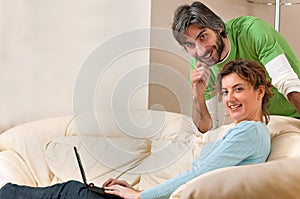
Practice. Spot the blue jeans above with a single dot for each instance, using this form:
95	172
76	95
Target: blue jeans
68	190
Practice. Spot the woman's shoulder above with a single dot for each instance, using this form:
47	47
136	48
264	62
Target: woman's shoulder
249	123
249	128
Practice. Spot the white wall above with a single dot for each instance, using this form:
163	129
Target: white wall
44	44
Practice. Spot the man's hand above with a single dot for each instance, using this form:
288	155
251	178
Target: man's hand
200	78
121	188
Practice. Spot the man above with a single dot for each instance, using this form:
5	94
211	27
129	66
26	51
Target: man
212	43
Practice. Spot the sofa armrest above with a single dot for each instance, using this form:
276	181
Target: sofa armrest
278	179
27	142
14	169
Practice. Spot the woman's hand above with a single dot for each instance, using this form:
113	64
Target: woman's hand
112	181
124	192
121	188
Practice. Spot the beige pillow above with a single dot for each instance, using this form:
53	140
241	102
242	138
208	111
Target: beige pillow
285	134
272	180
101	158
285	146
167	163
173	149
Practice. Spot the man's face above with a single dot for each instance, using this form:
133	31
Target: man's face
205	44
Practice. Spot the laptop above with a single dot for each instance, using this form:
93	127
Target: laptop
91	186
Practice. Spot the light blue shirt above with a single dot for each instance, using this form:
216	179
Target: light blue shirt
246	143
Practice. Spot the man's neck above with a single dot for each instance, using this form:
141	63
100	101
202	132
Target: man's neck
226	49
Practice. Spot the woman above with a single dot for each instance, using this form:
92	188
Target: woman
245	91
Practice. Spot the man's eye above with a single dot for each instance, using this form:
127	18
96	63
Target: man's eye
203	37
189	45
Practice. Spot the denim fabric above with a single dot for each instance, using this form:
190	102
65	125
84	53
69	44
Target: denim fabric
67	190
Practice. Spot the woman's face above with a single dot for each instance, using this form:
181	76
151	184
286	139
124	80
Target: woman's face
241	100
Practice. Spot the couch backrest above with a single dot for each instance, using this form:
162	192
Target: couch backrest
285	135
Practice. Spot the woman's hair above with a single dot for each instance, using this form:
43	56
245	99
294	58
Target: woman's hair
251	72
196	13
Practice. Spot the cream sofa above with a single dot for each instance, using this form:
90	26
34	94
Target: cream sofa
40	153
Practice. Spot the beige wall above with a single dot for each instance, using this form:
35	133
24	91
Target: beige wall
161	16
43	45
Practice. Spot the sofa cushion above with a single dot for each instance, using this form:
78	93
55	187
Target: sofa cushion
285	135
138	123
166	147
278	179
102	158
172	151
170	162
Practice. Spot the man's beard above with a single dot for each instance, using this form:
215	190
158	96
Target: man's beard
219	47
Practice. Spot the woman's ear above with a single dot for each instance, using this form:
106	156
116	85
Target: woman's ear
260	92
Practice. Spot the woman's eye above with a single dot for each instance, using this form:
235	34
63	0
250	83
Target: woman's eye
224	93
238	89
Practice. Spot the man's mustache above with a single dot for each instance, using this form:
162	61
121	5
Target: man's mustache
206	53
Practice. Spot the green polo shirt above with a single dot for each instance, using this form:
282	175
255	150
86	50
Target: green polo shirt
253	39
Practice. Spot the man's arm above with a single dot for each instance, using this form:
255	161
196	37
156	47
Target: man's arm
294	98
201	115
285	79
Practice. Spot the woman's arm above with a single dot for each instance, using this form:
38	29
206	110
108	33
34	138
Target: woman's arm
243	141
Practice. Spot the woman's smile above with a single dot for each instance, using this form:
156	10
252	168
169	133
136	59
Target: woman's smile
241	100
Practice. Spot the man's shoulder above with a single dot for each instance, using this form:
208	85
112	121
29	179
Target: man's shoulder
242	19
245	21
247	25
